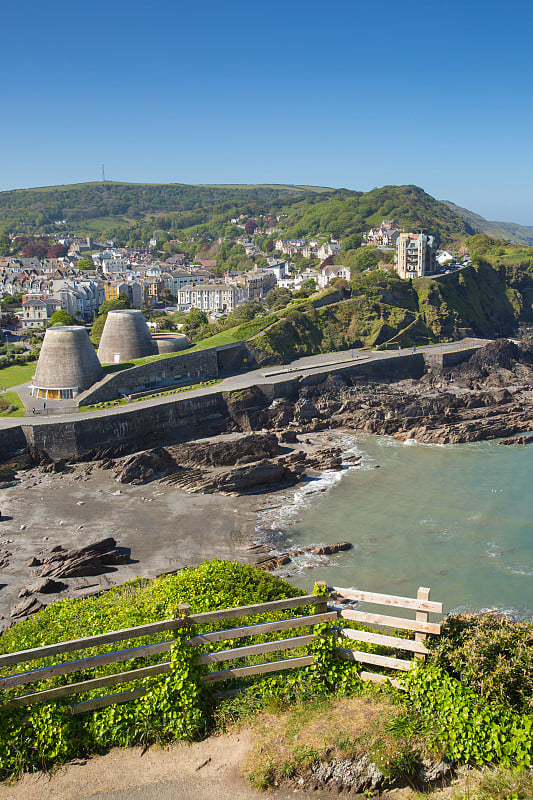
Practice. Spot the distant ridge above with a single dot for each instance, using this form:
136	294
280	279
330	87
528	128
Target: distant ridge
306	211
512	231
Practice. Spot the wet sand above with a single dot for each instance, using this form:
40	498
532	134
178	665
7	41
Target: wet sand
165	528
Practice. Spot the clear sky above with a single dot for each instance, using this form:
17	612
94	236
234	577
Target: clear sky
342	93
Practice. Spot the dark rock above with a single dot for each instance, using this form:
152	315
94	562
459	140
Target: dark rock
259	475
229	452
288	436
328	458
44	586
90	560
517	440
33	562
27	607
142	467
330	549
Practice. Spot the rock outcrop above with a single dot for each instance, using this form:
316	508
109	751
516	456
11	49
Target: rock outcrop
94	559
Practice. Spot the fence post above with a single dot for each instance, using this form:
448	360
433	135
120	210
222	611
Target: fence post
421	616
321	605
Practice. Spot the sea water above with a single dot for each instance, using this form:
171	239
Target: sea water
455	518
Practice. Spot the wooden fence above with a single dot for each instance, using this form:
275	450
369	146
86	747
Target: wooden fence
323	612
420	625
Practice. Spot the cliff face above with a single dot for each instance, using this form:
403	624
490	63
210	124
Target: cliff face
385	310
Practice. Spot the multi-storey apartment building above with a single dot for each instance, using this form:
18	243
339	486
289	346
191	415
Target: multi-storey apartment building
415	255
208	297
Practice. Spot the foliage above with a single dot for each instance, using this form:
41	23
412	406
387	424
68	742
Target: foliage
62	317
490	654
278	298
467	727
174	706
11	405
85	263
194	321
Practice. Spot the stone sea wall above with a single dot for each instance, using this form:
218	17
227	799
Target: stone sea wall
181	368
186	419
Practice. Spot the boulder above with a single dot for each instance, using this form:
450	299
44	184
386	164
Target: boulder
27	607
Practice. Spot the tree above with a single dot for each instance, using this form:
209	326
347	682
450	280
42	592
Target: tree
56	251
113	305
85	263
61	317
250	226
244	313
307	288
366	258
278	298
269	245
194	320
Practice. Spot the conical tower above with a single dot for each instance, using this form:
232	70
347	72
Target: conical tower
67	364
125	336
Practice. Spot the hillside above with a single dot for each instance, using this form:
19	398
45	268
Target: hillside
385	311
119	202
345	213
138	208
517	234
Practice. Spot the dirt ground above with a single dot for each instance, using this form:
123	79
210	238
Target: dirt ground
165	527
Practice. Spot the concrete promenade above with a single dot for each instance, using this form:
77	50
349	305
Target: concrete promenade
322	364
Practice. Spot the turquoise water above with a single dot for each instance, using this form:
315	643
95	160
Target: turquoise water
458	519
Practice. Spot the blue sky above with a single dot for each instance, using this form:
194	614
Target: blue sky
340	93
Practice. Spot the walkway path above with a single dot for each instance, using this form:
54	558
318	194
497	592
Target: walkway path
309	365
208	770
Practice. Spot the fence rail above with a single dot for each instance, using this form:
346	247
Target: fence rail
324	611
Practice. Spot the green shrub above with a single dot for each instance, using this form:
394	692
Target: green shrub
467	727
491	654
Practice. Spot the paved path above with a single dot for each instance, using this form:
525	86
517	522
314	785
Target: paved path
309	365
208	770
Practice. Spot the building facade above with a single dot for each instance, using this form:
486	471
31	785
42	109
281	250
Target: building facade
415	255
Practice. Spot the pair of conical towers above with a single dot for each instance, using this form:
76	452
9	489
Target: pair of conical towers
68	363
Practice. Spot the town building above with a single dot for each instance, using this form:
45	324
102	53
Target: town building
208	297
37	310
384	236
331	272
415	255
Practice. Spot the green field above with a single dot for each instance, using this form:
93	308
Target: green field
11	399
15	376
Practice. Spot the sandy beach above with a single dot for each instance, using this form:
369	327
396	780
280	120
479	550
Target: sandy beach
165	527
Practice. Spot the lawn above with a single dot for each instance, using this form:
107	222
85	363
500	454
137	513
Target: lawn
15	376
11	399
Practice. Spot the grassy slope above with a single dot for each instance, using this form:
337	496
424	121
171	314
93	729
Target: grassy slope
15	376
384	309
12	398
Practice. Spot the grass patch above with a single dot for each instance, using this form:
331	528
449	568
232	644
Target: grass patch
165	393
332	728
11	400
499	784
18	374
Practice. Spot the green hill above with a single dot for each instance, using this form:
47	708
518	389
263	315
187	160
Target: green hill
384	310
511	231
309	210
118	202
344	213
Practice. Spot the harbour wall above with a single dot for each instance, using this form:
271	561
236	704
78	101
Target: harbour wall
188	418
181	368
